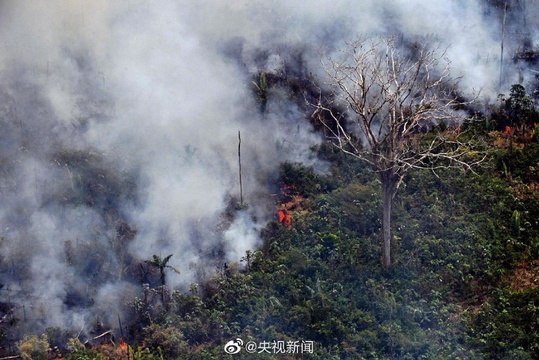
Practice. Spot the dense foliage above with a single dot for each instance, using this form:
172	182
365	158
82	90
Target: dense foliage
463	285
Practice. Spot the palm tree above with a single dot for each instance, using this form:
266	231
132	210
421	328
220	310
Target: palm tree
162	265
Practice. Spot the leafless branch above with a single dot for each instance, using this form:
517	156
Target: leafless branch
381	101
381	104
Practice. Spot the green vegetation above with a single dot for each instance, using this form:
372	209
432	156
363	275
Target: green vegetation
32	347
262	90
462	281
463	284
162	266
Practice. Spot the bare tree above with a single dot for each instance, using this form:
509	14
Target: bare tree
381	105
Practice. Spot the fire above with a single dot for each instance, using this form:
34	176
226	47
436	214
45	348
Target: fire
289	200
284	218
122	344
280	215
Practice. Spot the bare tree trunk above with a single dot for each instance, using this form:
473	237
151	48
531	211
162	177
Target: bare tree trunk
388	190
239	161
388	97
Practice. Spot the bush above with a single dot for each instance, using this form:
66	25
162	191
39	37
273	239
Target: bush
33	348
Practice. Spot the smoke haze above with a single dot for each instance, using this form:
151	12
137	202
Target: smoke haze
120	129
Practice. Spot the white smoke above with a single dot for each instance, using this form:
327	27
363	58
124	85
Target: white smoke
156	92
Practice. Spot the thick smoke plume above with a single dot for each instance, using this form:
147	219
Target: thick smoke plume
120	125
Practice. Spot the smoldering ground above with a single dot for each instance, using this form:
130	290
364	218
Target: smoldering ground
120	129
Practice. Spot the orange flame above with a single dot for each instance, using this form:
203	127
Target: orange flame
284	218
122	344
280	215
290	200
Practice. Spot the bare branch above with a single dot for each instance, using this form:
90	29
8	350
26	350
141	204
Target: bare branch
381	100
382	106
